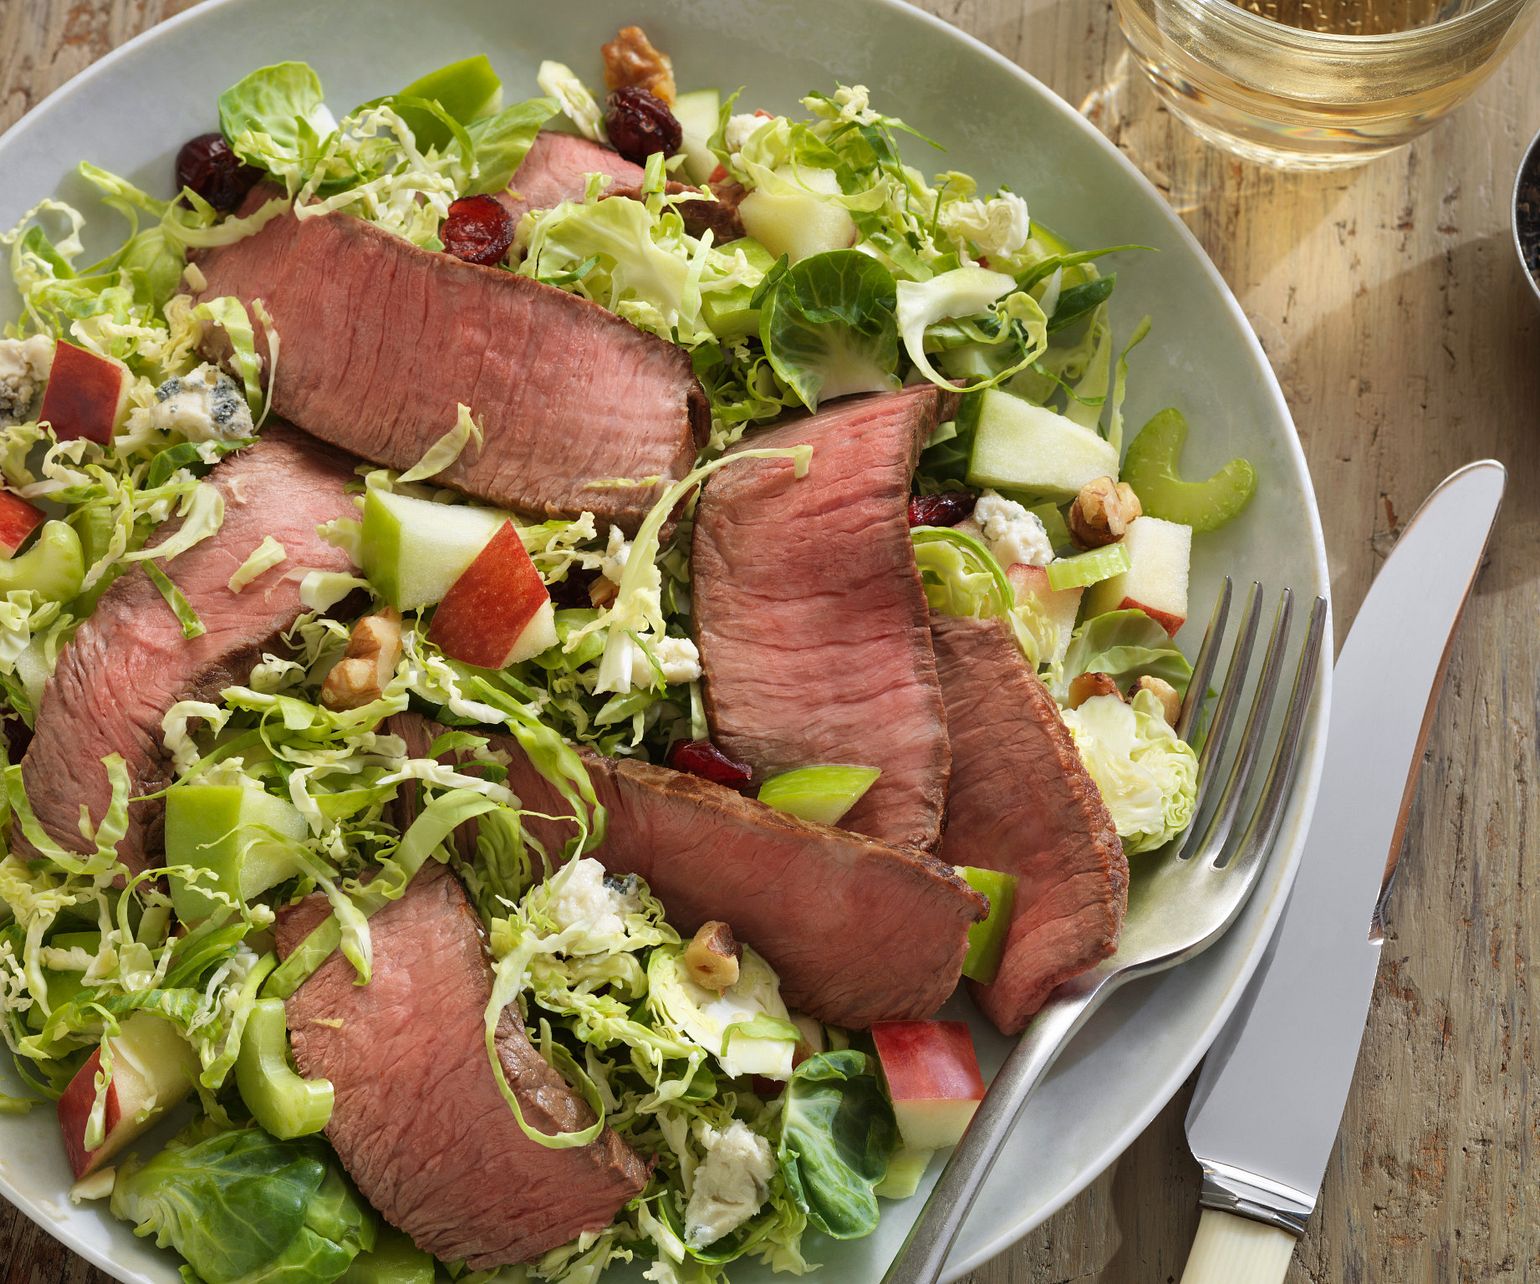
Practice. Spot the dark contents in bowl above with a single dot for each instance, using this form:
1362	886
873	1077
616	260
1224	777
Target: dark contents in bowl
1527	213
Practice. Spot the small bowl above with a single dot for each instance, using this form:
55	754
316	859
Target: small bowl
1526	216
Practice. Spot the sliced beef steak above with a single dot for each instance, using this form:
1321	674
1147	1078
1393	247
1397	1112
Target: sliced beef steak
858	931
810	615
418	1121
1022	802
129	662
382	341
557	169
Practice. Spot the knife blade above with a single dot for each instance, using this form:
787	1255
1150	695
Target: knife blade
1269	1101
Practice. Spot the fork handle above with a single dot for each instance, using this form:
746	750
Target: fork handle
924	1254
1236	1250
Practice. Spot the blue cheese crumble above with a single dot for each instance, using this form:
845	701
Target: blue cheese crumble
730	1185
1013	534
205	405
24	367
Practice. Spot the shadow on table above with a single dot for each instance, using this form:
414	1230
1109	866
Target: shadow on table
1469	342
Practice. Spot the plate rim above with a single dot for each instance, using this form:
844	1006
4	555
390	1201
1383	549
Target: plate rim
1289	847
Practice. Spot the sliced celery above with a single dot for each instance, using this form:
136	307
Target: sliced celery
285	1104
1090	567
1151	470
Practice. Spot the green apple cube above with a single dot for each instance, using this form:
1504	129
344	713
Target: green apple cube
1061	606
821	794
799	223
281	1101
697	113
54	567
152	1068
905	1172
1022	447
244	837
415	549
1160	561
986	940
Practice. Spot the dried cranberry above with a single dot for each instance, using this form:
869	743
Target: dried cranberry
208	166
18	735
573	590
702	758
479	229
640	123
945	508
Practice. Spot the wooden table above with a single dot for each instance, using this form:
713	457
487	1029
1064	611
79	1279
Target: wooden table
1391	304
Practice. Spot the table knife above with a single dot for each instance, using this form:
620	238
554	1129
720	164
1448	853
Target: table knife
1269	1101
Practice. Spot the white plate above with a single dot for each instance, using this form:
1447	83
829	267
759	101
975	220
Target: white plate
132	110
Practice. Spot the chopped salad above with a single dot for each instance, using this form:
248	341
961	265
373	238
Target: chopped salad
147	1005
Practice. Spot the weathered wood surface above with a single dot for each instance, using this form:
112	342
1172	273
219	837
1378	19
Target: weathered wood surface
1390	302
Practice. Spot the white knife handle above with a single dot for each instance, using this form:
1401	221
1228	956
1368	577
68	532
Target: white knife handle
1236	1250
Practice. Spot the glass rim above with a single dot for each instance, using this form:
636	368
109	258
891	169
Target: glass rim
1232	14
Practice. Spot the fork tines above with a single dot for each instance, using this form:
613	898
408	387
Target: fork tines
1212	841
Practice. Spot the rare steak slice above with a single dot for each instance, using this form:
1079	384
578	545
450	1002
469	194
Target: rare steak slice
382	342
810	616
557	167
858	930
129	662
418	1120
1022	802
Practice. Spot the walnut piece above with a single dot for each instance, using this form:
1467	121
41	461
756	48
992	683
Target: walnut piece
367	665
712	957
1102	511
1087	685
630	59
1170	702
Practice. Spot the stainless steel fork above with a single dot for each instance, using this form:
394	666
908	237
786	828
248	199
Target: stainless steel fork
1180	901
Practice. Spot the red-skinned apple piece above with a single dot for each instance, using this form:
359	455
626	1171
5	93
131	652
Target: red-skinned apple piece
933	1078
1171	623
498	612
86	394
1160	556
75	1109
152	1070
18	519
1062	605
